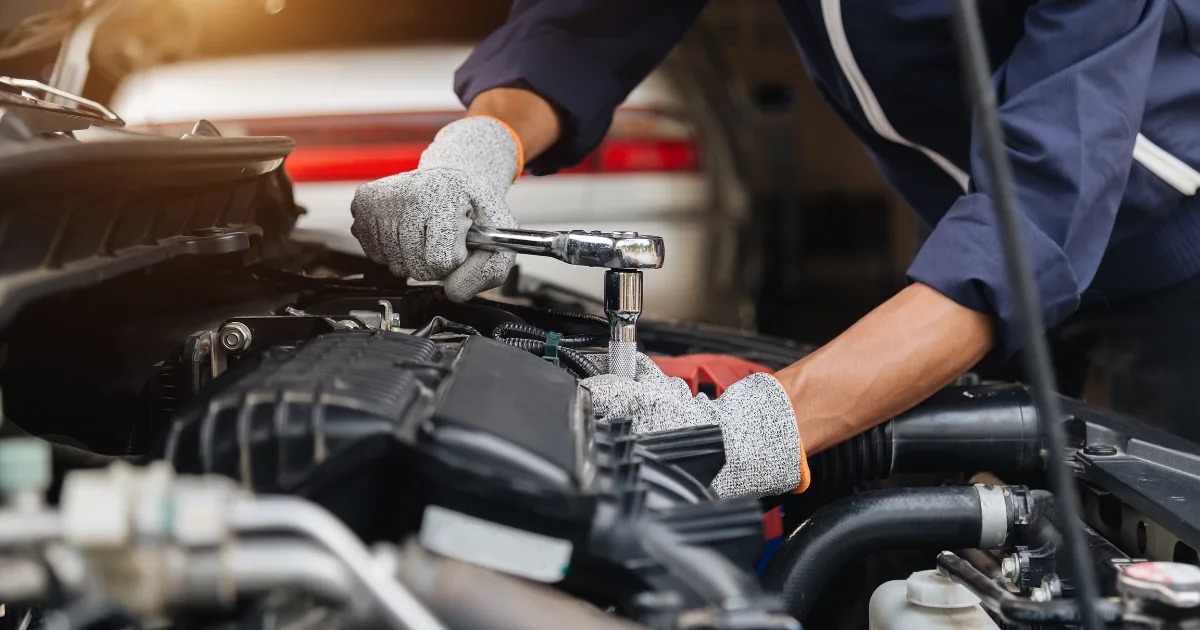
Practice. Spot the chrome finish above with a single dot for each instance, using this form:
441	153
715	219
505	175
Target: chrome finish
623	302
622	306
623	253
235	337
614	250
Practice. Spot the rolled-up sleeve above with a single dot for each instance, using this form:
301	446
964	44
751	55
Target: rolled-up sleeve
584	56
1072	96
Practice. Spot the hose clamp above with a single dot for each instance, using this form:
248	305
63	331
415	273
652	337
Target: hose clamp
993	522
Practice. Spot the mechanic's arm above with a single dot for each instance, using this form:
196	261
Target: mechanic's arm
541	88
898	355
532	119
1072	96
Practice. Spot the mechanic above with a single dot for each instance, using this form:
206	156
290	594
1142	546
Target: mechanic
1110	214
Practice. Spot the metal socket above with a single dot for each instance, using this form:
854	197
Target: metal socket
623	302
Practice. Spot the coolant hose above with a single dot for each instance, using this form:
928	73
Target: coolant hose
949	517
467	597
992	427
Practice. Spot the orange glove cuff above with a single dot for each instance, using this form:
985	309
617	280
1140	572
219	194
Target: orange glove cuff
805	475
516	139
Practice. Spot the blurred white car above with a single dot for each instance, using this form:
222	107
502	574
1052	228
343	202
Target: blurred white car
359	115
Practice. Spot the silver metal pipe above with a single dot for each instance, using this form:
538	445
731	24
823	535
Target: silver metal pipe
266	565
288	514
472	598
215	578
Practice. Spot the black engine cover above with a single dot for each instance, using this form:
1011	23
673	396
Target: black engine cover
375	425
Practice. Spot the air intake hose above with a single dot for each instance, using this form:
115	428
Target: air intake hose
978	427
949	517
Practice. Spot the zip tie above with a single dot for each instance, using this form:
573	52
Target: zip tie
551	353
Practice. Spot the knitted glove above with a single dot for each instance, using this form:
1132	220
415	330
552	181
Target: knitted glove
763	453
416	223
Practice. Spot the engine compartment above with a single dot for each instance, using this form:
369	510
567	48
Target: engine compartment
232	429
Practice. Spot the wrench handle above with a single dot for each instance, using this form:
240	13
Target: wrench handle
520	241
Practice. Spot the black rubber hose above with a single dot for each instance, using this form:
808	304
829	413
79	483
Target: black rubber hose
991	427
574	360
897	518
515	330
977	73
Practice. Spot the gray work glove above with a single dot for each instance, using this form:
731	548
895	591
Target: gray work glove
763	454
416	223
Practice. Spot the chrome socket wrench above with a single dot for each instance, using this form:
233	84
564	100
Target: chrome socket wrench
623	253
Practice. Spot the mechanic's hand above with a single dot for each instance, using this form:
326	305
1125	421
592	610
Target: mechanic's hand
416	223
763	453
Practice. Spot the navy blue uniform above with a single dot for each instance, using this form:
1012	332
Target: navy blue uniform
1100	102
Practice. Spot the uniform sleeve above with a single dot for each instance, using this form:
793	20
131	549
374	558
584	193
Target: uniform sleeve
1072	95
584	56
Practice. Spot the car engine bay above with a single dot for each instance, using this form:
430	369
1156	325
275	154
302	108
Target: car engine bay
208	425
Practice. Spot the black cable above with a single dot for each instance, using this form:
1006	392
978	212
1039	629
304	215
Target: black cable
440	324
516	330
572	359
1036	356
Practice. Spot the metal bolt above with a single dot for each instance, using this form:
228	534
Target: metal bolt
1100	450
235	337
1011	568
1040	594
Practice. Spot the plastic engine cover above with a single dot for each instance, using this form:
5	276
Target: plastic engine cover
375	425
486	451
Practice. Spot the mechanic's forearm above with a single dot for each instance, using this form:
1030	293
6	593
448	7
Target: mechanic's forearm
530	116
899	354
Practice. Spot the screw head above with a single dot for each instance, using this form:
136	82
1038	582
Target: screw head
1100	450
234	337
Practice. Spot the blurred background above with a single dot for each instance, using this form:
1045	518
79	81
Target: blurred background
774	217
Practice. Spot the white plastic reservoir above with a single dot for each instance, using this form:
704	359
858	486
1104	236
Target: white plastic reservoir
927	600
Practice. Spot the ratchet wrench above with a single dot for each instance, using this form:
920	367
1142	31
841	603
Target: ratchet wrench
622	253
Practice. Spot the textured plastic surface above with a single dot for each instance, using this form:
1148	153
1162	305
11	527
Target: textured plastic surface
891	609
711	373
326	421
76	213
379	427
356	420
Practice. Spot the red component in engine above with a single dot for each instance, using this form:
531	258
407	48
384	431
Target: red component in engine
713	371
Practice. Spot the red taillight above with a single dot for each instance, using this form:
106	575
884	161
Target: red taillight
627	155
364	147
352	163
